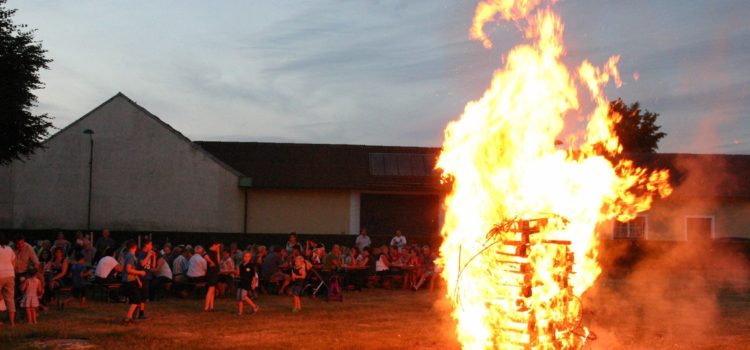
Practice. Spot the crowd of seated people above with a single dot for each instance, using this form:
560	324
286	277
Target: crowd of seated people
63	266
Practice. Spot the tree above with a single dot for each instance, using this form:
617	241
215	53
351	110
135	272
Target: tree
21	59
637	130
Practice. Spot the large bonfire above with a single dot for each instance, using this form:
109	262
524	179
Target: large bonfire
520	242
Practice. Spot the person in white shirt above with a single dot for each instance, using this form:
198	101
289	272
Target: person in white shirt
162	269
197	266
7	277
162	275
363	240
106	267
226	272
399	241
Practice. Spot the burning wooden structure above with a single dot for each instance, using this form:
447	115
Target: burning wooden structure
501	158
528	288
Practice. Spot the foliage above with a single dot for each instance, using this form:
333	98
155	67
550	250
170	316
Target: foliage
21	59
637	130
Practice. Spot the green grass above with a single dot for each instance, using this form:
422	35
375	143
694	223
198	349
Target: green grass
658	312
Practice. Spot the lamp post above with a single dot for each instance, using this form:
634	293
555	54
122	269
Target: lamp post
91	172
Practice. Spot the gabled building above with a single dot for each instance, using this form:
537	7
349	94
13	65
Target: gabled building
145	176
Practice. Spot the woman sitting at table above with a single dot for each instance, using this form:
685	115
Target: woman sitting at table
318	256
366	260
162	275
412	267
355	269
226	271
394	256
383	267
429	269
352	259
45	256
56	273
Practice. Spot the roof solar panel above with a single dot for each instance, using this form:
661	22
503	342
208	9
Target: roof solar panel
401	164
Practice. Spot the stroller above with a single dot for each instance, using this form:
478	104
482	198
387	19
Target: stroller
317	283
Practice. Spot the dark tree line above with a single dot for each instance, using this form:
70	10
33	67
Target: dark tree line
21	59
637	130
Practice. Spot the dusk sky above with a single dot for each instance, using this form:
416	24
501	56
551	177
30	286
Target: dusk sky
378	72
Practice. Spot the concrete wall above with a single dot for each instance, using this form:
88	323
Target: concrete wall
6	197
145	177
303	211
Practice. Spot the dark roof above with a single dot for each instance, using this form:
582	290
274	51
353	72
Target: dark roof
326	166
391	168
724	176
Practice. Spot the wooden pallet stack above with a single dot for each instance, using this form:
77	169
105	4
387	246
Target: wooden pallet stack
525	322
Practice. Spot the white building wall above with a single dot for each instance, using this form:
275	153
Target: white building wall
146	177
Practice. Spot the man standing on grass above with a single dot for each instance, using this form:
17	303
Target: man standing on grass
363	240
7	277
105	241
131	280
399	241
25	256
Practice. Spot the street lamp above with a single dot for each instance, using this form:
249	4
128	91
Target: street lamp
91	168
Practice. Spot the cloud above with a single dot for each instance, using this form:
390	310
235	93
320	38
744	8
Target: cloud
382	72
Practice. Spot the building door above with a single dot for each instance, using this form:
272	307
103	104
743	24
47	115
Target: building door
699	228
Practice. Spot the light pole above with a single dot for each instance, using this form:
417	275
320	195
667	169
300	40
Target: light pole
91	172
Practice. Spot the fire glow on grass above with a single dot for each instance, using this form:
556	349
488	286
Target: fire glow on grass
506	170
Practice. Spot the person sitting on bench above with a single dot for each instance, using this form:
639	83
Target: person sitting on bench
107	268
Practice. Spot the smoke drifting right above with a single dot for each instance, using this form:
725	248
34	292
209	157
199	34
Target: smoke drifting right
670	293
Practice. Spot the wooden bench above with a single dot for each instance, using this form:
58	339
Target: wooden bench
186	287
104	290
59	294
163	289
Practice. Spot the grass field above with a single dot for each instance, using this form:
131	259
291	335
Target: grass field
373	319
683	315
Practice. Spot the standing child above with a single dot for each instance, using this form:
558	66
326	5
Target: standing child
246	271
32	289
79	273
131	280
299	274
145	261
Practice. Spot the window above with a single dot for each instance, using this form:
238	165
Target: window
699	228
402	164
633	229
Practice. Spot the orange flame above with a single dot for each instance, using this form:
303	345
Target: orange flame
503	163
